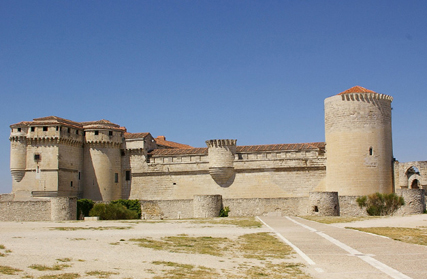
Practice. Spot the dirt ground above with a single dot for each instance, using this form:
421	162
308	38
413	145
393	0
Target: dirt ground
104	249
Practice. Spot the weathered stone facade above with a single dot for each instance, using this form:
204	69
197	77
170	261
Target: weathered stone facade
100	160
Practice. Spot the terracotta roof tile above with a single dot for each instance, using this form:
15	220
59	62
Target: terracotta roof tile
136	135
244	149
161	140
279	147
177	151
357	89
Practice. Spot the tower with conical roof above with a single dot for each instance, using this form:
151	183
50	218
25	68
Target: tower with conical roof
358	142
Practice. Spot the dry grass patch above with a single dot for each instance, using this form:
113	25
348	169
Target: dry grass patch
101	274
6	251
276	271
90	228
64	260
185	271
408	235
184	244
337	219
263	245
8	270
61	276
41	267
239	222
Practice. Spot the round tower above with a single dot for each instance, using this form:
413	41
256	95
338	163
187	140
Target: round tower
102	160
221	160
358	142
18	152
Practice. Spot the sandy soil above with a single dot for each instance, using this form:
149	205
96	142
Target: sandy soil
109	250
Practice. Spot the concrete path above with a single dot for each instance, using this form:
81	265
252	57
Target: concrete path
333	252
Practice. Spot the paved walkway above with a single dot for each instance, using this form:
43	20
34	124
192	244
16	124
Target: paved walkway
332	252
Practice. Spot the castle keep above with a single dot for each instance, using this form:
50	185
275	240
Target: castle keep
100	160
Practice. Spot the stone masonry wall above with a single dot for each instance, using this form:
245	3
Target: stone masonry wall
257	175
182	209
25	211
54	209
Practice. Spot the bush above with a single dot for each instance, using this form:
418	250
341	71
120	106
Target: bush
224	212
134	205
83	208
112	211
381	204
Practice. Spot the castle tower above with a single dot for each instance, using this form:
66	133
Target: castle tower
18	152
221	160
358	142
102	160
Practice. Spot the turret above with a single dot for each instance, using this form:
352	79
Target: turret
358	142
221	160
18	151
102	155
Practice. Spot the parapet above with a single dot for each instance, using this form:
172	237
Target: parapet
359	93
221	142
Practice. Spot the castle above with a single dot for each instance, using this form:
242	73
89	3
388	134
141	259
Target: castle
100	160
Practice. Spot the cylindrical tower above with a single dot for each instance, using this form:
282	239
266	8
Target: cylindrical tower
221	160
18	152
102	161
358	142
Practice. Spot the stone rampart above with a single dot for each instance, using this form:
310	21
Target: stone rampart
25	211
183	209
53	209
324	204
207	206
167	209
350	207
414	201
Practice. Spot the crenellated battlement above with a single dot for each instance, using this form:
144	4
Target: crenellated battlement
221	142
364	97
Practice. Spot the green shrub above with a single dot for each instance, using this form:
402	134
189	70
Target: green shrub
83	208
381	204
112	211
224	212
134	205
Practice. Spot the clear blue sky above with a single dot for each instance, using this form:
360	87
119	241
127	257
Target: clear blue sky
257	71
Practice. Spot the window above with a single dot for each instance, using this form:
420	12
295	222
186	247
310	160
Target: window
44	128
19	129
371	151
127	175
96	133
77	132
32	129
110	133
79	175
116	178
71	184
37	157
57	128
68	130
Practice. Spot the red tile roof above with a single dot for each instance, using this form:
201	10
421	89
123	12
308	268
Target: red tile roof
136	135
244	149
177	151
161	140
279	147
357	89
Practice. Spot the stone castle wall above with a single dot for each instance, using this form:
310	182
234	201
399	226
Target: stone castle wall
257	175
52	209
